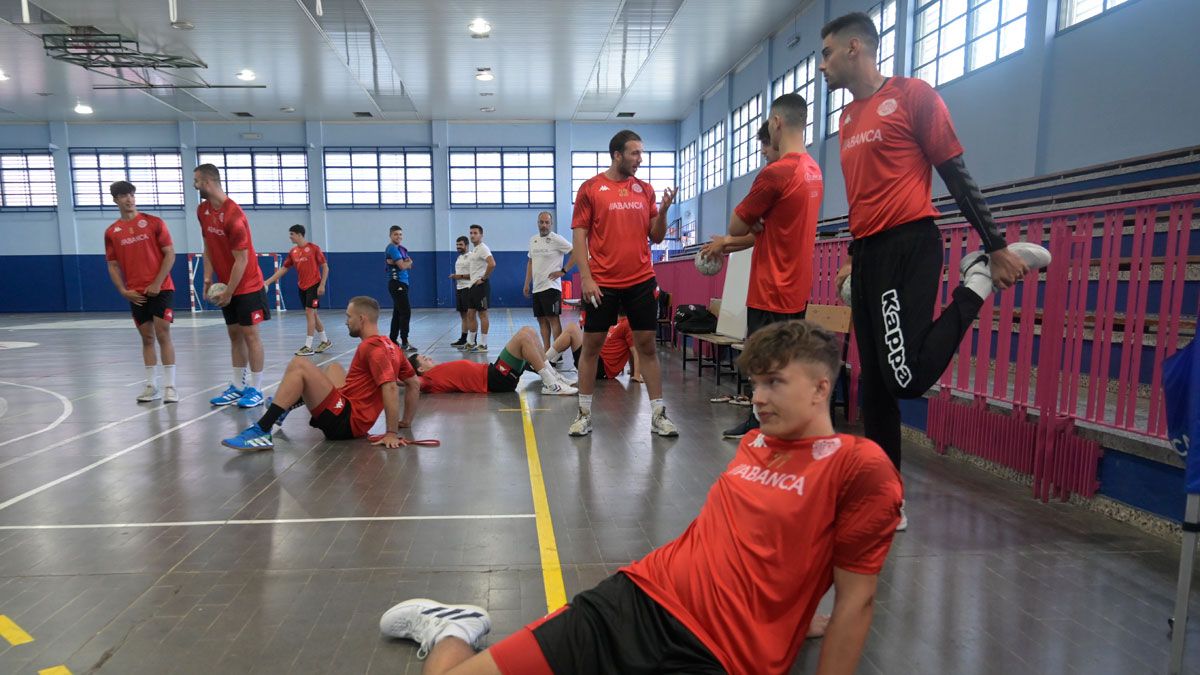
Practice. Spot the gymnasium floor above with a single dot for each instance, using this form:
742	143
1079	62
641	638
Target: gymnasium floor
132	542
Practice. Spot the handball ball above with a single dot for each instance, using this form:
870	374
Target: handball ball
709	265
215	291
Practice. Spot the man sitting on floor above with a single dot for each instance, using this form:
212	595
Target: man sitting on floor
614	355
472	377
799	508
344	405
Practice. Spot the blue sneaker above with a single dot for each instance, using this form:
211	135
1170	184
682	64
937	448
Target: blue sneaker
252	439
229	397
278	422
251	398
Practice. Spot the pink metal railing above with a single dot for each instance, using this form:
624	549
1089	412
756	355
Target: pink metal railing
1069	330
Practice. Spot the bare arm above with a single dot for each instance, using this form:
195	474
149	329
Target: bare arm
528	276
163	270
658	228
588	287
853	608
324	276
412	392
391	413
114	273
491	266
240	260
738	227
208	268
279	273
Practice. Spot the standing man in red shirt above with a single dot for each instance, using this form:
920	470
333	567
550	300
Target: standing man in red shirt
892	133
344	405
313	270
139	252
781	212
798	509
229	252
616	218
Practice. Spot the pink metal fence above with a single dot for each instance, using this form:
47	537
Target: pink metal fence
1066	349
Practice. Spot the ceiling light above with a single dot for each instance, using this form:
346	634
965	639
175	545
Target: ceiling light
484	74
479	28
182	24
3	77
83	109
490	108
246	75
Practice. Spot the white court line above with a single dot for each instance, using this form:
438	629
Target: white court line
67	410
274	521
3	406
42	488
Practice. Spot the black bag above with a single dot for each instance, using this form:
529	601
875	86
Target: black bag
694	319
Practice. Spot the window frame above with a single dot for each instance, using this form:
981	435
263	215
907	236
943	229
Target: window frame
973	9
645	171
379	153
1106	9
836	99
202	154
689	174
28	184
103	183
779	87
747	118
503	151
713	148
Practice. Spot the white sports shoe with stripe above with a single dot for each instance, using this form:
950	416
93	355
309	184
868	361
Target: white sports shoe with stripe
423	621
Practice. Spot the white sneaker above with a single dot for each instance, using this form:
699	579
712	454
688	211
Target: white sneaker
563	379
582	426
662	426
903	519
170	395
148	394
422	621
844	291
559	388
1033	255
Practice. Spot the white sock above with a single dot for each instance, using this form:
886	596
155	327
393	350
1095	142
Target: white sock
152	376
308	341
256	380
321	337
551	354
657	406
483	339
471	338
585	404
548	375
169	375
980	284
239	377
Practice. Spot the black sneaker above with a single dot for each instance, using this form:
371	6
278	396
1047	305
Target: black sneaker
459	342
742	429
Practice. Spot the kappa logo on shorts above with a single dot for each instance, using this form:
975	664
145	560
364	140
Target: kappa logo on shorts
503	367
825	448
315	301
340	404
887	107
256	316
168	315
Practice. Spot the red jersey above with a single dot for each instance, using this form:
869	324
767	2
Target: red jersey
618	345
456	376
307	260
890	142
786	196
226	230
137	247
617	216
376	362
747	575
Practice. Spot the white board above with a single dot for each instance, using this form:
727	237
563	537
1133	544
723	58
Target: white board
732	322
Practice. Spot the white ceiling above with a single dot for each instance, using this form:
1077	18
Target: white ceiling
543	52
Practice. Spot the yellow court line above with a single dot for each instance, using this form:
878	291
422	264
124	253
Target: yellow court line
56	670
556	594
12	632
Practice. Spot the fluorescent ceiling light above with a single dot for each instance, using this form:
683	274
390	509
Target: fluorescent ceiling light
246	75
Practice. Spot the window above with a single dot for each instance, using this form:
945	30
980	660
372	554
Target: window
501	176
1071	12
688	185
802	79
378	177
157	173
657	169
713	143
884	16
262	178
27	180
954	37
746	120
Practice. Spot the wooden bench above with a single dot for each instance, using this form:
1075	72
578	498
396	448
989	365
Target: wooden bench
836	319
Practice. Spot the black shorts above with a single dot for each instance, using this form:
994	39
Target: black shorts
478	296
504	374
247	309
547	303
640	303
155	306
616	628
460	299
759	318
309	298
601	370
333	416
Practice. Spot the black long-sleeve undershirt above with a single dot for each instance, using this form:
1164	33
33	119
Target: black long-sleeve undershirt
970	201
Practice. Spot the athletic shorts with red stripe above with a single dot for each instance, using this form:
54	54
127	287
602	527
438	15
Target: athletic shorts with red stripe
612	629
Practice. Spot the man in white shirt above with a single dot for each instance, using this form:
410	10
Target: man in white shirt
462	282
543	274
479	294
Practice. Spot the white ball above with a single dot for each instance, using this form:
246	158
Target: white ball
709	265
215	291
